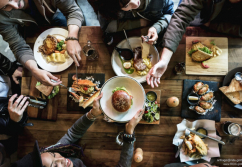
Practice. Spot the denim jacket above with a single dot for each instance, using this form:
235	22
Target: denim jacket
11	20
158	12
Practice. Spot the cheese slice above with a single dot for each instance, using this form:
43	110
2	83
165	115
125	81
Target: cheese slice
145	49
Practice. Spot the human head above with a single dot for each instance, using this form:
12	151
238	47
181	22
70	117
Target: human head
203	165
54	159
111	9
8	5
235	1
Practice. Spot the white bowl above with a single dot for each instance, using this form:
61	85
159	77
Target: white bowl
134	88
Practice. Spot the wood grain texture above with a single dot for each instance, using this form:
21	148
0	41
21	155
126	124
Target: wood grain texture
155	140
217	65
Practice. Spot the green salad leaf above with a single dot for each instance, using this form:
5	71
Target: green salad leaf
205	49
54	92
191	52
120	88
38	83
212	43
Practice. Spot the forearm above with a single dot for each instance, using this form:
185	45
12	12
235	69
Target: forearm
76	131
166	55
31	65
73	31
126	155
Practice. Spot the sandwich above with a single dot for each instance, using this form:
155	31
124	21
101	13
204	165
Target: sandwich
121	99
200	52
47	91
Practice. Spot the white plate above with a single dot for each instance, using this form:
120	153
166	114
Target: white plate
134	88
59	33
117	64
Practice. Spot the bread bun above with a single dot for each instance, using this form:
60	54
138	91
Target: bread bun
121	100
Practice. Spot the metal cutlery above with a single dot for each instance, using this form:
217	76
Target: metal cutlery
70	89
199	134
187	133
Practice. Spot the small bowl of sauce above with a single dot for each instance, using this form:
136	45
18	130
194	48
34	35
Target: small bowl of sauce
202	131
193	99
151	96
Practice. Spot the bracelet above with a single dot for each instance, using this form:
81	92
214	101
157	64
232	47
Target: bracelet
129	138
71	38
91	119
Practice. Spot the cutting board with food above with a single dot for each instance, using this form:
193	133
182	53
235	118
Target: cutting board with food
87	88
201	100
40	91
206	56
152	110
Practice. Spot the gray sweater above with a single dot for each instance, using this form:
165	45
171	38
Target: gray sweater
80	127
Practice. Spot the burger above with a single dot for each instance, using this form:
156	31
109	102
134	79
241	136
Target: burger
121	99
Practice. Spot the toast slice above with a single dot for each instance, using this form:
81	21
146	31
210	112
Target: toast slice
234	86
46	90
235	97
88	102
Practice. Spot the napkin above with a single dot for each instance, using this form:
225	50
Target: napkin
209	125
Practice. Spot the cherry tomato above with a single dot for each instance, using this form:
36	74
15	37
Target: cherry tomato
156	102
146	112
85	88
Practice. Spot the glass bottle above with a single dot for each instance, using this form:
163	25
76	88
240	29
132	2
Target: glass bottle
90	52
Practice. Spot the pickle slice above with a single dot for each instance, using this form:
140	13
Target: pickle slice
157	116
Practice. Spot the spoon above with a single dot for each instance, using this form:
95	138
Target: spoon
238	77
127	39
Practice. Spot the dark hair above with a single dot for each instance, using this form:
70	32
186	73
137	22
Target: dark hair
109	9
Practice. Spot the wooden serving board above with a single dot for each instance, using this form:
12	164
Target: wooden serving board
48	113
217	65
158	92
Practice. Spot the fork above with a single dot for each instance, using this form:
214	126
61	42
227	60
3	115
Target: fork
187	133
70	89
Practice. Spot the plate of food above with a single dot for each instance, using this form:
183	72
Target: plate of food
122	97
145	57
206	56
201	100
50	50
86	87
194	148
232	88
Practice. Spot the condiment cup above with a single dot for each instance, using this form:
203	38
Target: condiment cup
151	92
193	102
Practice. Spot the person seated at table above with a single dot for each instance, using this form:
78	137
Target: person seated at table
64	153
185	165
116	15
12	115
15	14
224	16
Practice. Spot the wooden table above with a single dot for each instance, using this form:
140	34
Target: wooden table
155	140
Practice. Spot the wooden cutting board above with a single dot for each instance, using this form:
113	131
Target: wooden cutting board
217	65
48	113
158	92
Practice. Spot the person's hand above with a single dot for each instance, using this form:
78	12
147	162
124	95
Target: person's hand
95	111
207	24
74	50
17	108
17	73
44	77
155	73
130	126
153	36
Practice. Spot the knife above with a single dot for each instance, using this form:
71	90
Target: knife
199	134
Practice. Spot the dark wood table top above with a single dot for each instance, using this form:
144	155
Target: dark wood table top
155	140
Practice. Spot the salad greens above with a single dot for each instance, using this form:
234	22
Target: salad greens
54	92
205	49
152	112
120	88
191	52
212	43
59	45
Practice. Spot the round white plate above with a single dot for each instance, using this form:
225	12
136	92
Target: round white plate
134	88
59	33
117	64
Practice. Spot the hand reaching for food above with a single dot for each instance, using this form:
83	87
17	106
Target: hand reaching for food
130	126
95	111
153	36
74	50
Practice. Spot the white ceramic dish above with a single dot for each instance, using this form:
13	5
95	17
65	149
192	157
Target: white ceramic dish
60	33
134	88
117	64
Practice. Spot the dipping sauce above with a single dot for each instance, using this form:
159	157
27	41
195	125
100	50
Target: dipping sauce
151	96
202	131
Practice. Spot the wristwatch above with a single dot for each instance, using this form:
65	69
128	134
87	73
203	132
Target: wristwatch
129	138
